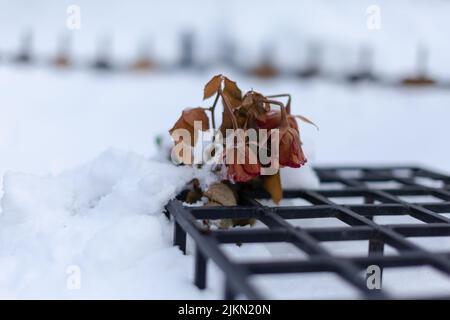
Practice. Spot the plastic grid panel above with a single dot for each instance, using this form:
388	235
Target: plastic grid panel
359	218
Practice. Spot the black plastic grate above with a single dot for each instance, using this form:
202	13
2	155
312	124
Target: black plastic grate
385	191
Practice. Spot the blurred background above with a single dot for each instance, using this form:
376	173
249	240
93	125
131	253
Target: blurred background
78	77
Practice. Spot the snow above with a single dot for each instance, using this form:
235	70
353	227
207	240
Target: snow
105	217
292	178
122	250
358	124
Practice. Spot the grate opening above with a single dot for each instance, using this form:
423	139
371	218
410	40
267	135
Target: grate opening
432	244
265	251
388	184
332	186
421	199
428	182
321	285
348	200
352	248
401	282
395	219
285	202
317	222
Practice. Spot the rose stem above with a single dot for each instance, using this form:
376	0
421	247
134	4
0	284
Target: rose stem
288	104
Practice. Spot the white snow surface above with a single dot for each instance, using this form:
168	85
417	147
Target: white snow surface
105	217
294	178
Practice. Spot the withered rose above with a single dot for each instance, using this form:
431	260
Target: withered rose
269	120
187	119
290	149
293	123
255	101
272	120
251	113
243	172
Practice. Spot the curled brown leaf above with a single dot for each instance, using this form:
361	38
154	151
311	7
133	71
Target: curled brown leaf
304	119
212	86
232	91
272	184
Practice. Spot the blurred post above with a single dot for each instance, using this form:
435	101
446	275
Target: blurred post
422	56
364	70
227	49
104	52
421	78
313	60
24	54
266	69
62	58
187	50
144	61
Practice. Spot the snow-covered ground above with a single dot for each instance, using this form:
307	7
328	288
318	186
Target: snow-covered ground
106	217
79	188
55	120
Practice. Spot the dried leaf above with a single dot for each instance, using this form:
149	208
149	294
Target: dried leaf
272	184
190	115
234	103
243	222
232	91
247	102
212	86
229	111
194	195
225	223
227	123
187	121
222	194
241	118
213	204
304	119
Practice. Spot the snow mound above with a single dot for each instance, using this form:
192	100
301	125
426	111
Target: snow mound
303	178
103	217
115	184
102	223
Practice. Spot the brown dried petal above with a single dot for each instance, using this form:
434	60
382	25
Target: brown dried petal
291	153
